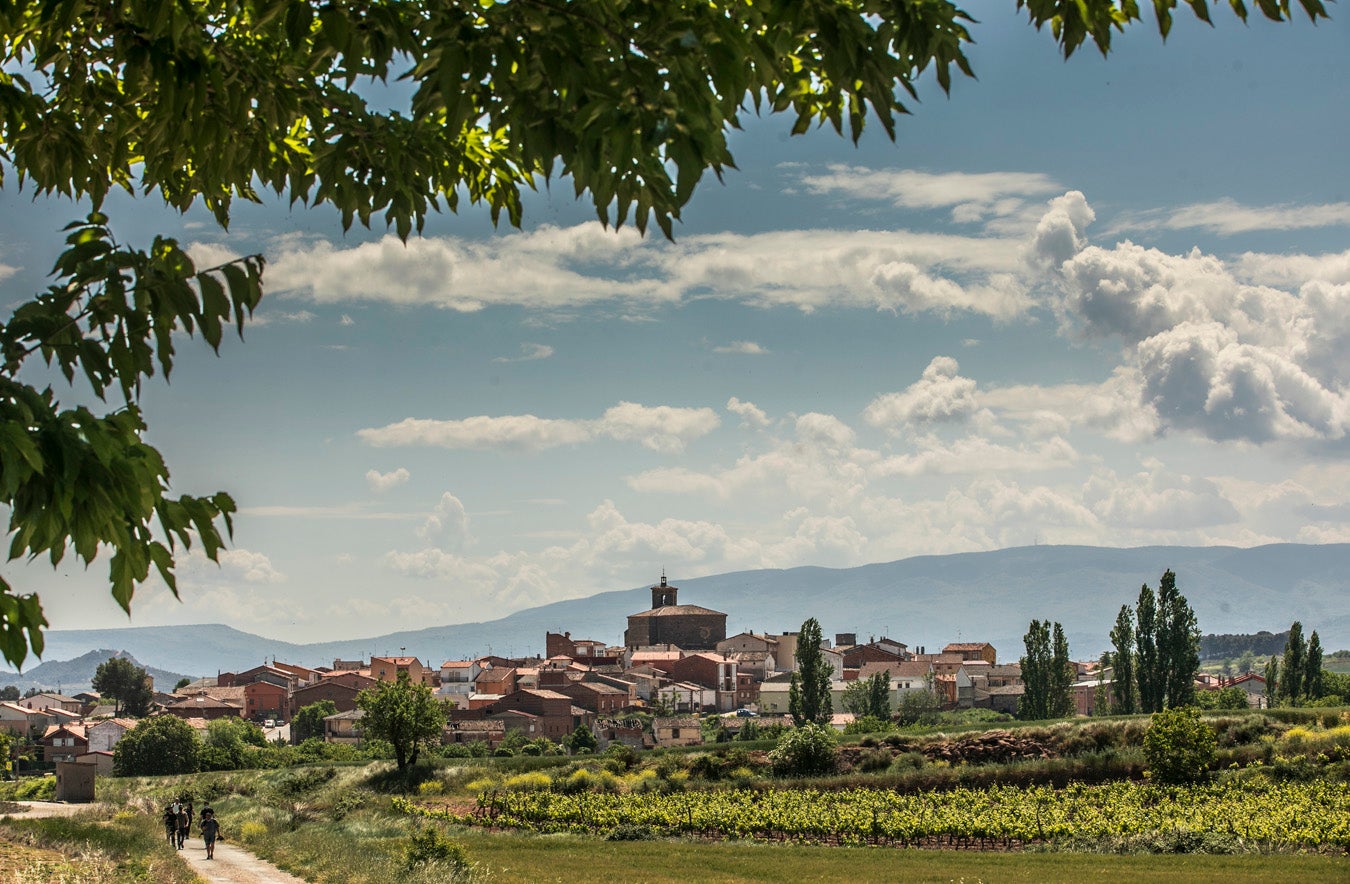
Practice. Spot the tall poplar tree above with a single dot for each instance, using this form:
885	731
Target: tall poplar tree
1124	691
809	690
1295	659
1146	644
1272	676
1178	644
1062	676
1313	683
1047	673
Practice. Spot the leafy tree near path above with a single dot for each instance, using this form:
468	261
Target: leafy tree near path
157	746
404	714
210	101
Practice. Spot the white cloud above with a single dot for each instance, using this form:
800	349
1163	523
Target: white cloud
940	395
232	566
661	428
7	271
750	414
380	482
1227	217
346	320
974	454
556	269
971	196
1062	231
1213	354
744	348
528	353
447	525
1158	499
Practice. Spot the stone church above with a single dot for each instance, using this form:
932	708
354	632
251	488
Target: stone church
690	627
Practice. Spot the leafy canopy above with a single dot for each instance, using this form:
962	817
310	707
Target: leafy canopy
209	101
125	683
404	714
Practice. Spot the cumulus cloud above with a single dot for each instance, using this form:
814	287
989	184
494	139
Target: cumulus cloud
6	271
232	566
1062	231
380	482
940	395
1157	498
744	348
447	525
750	414
662	428
528	353
1212	353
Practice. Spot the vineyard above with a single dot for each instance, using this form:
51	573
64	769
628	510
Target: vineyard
1252	816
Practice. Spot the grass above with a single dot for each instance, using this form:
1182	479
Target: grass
88	847
523	858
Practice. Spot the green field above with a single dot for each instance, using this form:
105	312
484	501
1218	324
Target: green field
525	858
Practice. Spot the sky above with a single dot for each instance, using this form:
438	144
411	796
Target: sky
1101	301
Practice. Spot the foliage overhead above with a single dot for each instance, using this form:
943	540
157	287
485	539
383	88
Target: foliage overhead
210	101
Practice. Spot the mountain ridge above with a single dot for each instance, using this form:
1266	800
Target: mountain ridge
923	601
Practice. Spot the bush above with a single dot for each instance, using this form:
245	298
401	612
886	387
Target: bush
157	746
868	724
1179	747
874	760
805	751
430	845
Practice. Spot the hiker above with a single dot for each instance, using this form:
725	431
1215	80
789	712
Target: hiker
171	824
210	830
187	805
182	825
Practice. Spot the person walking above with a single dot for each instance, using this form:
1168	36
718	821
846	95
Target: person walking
182	825
171	824
210	830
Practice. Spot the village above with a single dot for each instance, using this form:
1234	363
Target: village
676	669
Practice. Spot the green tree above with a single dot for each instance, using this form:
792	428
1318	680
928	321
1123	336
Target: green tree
9	693
182	683
869	697
582	741
216	100
1272	676
308	721
809	689
1124	690
1226	698
1179	747
157	746
1178	643
1047	673
1247	662
1314	683
1292	666
404	714
125	683
1147	675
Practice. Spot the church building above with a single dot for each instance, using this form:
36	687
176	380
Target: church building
689	627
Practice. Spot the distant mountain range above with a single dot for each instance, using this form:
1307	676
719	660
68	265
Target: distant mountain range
923	601
73	676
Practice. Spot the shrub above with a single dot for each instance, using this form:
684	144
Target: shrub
455	750
533	781
628	832
431	787
1179	746
430	845
868	724
157	746
251	831
805	751
874	760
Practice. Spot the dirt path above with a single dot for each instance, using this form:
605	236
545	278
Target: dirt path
232	865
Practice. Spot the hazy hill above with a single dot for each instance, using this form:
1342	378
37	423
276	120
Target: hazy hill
72	676
927	600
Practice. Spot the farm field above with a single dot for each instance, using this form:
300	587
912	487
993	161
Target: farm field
567	858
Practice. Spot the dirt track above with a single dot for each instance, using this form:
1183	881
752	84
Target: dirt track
232	865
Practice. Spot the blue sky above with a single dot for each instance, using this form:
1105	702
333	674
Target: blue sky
1095	301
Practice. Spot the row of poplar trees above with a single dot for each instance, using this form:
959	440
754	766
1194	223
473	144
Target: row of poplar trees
1296	677
1156	651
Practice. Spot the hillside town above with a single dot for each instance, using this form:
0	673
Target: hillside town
676	668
